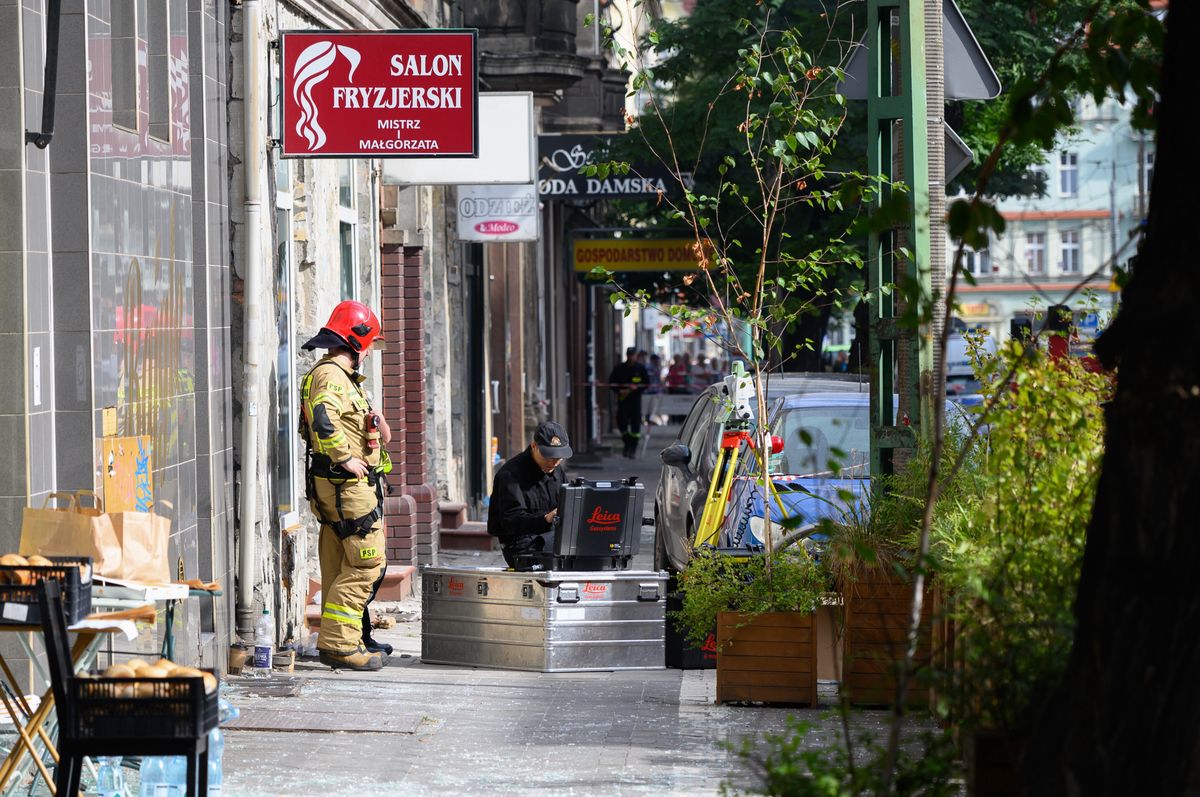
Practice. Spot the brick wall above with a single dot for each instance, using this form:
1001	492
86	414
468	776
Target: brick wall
411	513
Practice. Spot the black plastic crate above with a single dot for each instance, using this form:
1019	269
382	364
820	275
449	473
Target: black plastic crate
681	654
19	602
124	708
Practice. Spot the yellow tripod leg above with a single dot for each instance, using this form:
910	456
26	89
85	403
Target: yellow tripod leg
718	497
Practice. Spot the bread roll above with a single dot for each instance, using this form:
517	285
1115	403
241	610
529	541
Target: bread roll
150	671
166	664
38	561
119	671
210	682
15	576
137	664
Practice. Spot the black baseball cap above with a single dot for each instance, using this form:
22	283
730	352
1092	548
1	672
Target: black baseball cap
552	440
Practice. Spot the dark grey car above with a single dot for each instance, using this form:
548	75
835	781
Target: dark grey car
688	462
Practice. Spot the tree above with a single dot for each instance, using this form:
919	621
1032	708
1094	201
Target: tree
1019	38
694	119
1124	719
691	103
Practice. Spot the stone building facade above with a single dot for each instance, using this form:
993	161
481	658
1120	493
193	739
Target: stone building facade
324	242
1097	192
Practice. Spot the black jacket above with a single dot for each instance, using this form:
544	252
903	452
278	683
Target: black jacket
522	495
633	378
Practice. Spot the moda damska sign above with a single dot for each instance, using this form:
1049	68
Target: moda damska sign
562	157
380	95
497	213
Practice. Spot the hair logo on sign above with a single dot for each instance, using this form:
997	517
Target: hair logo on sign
311	68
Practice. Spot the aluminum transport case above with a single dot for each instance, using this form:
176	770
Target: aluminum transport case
551	621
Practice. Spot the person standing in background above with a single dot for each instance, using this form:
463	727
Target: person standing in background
701	374
629	379
655	371
677	376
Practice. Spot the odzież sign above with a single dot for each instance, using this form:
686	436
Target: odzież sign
497	213
380	95
560	157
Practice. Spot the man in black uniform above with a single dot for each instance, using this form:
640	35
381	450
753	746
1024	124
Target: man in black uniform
629	379
524	499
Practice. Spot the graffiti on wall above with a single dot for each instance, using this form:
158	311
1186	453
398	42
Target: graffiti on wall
153	377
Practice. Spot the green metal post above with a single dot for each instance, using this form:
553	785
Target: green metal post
896	93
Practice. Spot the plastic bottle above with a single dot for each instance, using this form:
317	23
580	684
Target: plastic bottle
176	770
216	749
154	778
264	644
110	782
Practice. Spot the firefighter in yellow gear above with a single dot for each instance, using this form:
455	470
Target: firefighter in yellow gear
346	464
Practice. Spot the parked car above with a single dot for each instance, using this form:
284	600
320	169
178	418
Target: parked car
823	470
960	374
688	462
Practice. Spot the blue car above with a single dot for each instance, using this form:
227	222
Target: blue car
823	471
688	463
822	474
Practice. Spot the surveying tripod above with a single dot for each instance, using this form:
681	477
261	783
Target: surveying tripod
733	437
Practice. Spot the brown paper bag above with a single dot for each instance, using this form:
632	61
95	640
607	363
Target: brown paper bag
143	537
74	530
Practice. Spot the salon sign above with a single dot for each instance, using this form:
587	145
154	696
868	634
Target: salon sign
364	94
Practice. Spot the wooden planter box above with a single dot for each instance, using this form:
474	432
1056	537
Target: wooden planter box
770	658
943	654
993	763
877	607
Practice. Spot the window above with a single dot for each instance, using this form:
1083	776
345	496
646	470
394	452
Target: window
346	227
158	69
124	64
1070	252
283	176
1148	169
285	479
284	471
810	434
346	184
346	244
978	262
701	437
1035	252
1068	173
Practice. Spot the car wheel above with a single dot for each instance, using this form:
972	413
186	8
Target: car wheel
661	562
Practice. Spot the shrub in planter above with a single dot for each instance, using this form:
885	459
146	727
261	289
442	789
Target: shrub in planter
1011	565
764	612
873	553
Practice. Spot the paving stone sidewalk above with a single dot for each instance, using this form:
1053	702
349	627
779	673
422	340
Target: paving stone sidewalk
484	732
465	731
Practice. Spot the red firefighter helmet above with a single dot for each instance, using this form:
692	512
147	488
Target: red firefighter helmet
356	324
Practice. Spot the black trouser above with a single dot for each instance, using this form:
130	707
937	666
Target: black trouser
366	621
525	544
629	421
